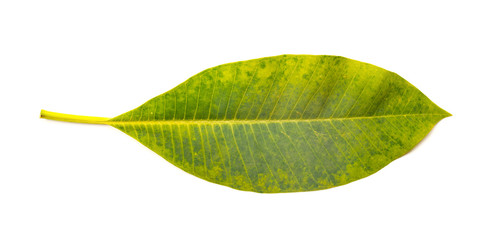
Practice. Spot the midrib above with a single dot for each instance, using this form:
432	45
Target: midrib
265	121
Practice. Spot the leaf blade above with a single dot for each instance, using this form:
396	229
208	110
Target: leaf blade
350	120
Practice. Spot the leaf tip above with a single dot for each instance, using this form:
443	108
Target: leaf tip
447	114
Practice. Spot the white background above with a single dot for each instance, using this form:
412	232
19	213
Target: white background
103	58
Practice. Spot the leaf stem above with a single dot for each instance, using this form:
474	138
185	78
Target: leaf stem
73	118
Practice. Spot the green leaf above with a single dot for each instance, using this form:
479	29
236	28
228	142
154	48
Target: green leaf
282	124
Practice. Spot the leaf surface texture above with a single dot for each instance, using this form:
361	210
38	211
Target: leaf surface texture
284	124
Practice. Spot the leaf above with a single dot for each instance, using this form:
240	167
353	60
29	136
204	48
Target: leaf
282	124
